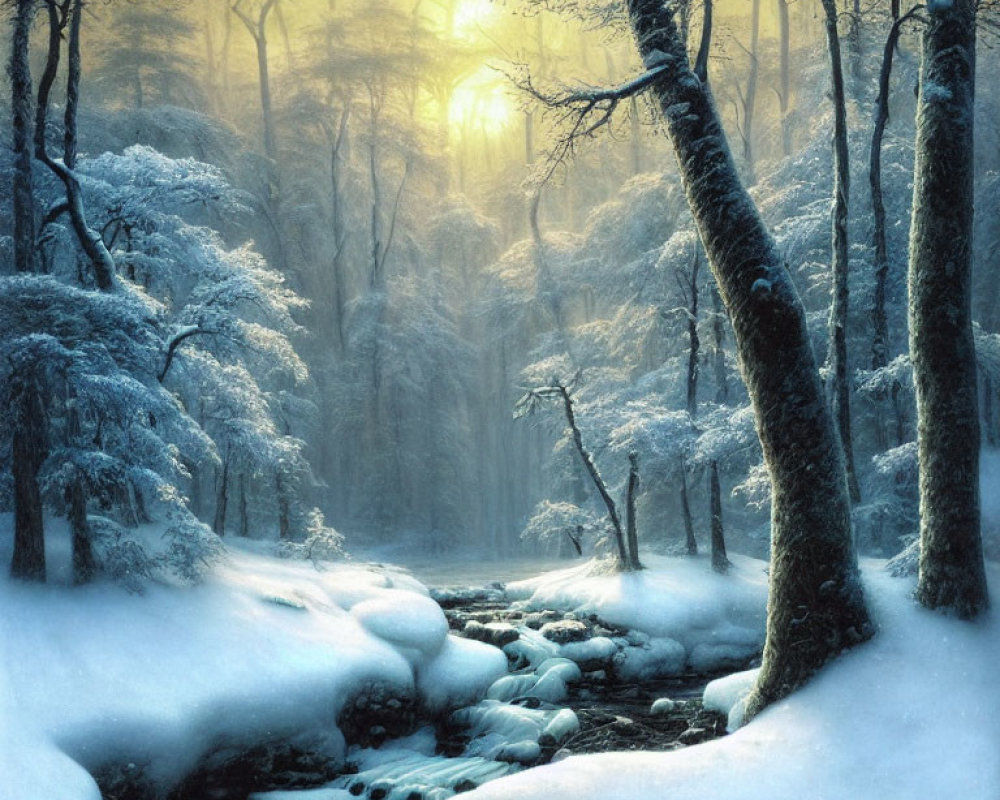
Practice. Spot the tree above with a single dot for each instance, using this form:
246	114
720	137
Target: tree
28	443
61	15
840	391
146	57
561	392
22	192
952	574
257	28
816	606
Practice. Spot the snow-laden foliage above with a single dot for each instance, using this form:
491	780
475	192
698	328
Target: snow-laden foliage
187	367
555	524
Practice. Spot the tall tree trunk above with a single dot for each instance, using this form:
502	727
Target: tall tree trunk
784	84
22	194
951	572
690	542
720	562
694	342
84	565
750	98
284	507
221	499
813	563
719	353
840	390
631	525
244	514
879	317
28	452
90	241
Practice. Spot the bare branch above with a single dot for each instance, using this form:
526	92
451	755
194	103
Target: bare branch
582	111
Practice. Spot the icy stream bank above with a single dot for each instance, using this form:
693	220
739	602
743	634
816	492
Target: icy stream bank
577	684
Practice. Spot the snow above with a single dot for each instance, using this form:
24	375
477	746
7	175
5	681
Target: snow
460	674
689	614
271	648
264	648
912	715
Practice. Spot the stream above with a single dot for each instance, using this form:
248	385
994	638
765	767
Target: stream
575	684
547	708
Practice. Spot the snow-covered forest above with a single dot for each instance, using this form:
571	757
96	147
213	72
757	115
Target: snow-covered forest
306	304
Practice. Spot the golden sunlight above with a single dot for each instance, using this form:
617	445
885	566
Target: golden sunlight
482	100
471	14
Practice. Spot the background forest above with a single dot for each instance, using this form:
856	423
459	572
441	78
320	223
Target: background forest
350	242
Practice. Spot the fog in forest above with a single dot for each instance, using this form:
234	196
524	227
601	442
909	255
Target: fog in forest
449	252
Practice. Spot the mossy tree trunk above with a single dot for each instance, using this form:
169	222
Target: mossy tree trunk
951	571
816	605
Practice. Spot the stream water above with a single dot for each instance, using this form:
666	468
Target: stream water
524	721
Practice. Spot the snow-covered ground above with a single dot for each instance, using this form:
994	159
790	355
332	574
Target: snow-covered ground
912	715
264	648
705	620
269	648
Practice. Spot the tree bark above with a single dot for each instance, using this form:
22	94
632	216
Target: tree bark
840	391
720	562
22	194
90	241
719	353
84	565
784	84
694	342
595	476
221	499
28	452
951	570
244	514
879	317
284	507
750	98
690	542
631	526
816	606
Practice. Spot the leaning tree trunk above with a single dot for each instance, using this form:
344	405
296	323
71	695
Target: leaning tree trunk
951	572
816	605
595	476
840	392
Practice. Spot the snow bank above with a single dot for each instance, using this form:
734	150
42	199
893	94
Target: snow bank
912	715
265	648
695	618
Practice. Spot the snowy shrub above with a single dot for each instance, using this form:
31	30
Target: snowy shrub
554	523
322	543
119	556
891	517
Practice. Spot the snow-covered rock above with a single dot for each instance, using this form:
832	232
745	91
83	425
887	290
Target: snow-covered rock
460	674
